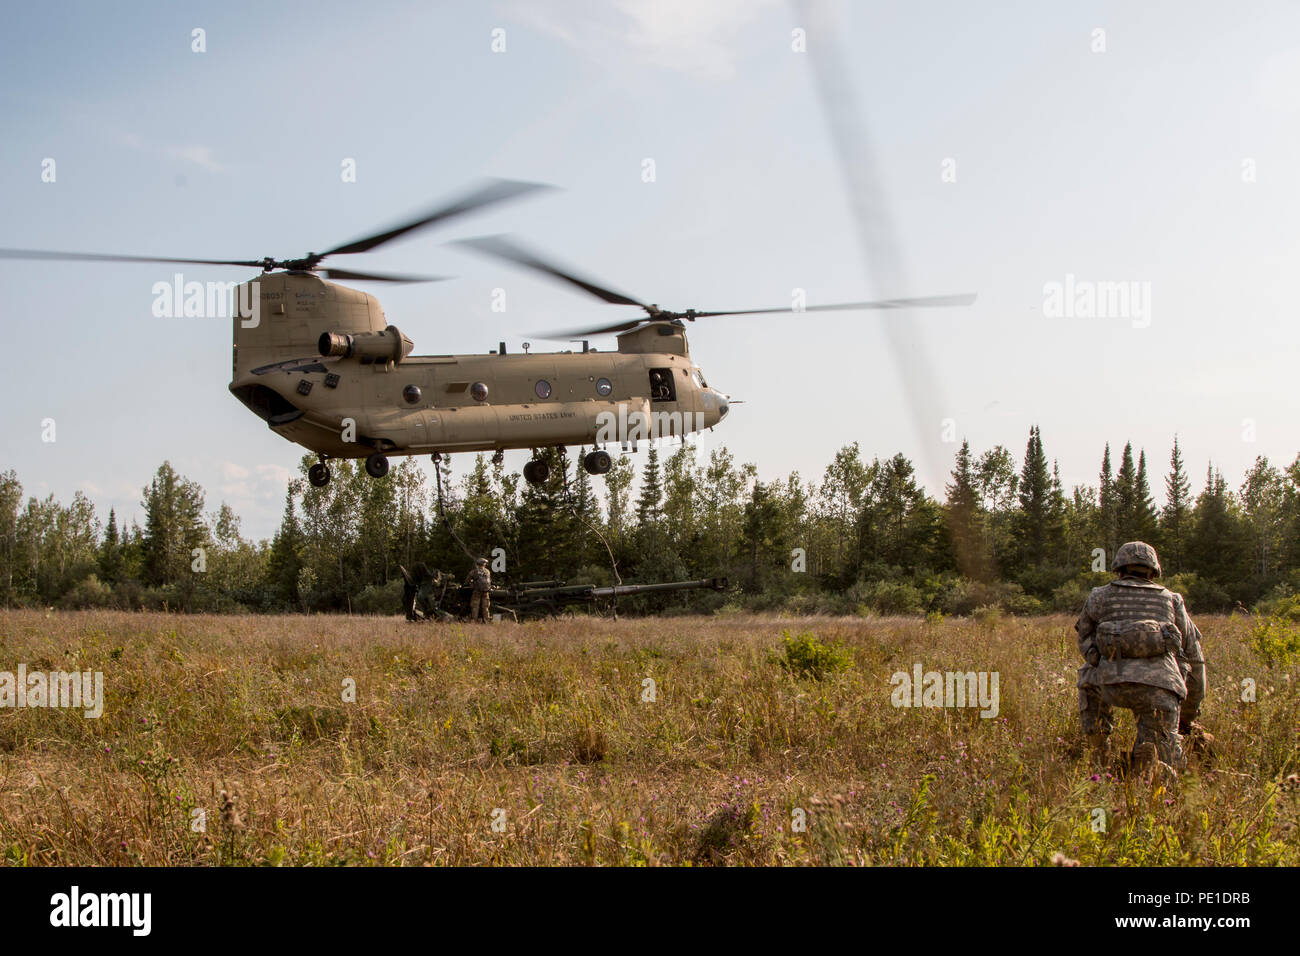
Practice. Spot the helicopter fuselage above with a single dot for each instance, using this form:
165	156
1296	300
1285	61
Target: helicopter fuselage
320	365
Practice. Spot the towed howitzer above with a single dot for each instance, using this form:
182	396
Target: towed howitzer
549	601
531	599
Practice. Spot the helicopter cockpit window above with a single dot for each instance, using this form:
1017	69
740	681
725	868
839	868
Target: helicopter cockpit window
662	386
699	378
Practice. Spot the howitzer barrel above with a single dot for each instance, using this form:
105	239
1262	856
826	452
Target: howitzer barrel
533	601
569	592
627	590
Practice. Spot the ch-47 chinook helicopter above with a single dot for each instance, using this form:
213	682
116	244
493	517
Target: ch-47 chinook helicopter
320	364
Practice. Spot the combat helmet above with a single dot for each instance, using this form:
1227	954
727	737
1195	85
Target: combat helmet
1136	552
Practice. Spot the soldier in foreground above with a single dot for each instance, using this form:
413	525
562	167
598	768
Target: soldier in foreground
1144	653
480	601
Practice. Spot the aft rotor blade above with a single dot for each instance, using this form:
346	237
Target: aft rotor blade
376	276
494	191
106	257
503	248
566	334
924	302
878	240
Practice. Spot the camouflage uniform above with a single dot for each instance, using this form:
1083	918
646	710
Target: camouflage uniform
420	592
480	600
1165	691
426	597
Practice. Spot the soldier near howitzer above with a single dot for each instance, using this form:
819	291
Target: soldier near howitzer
419	591
480	599
1144	653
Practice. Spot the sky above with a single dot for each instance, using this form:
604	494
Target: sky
1029	153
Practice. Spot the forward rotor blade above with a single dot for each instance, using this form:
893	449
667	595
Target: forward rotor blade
924	302
494	191
103	257
375	276
503	248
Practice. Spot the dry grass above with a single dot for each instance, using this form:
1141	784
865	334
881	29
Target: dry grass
242	717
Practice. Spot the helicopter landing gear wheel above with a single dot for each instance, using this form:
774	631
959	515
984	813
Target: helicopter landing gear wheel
376	466
597	462
536	472
319	475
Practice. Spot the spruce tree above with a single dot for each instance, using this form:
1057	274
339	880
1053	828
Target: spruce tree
1145	510
1057	545
286	559
1176	515
582	508
110	552
1125	497
1035	492
652	493
545	523
1106	506
964	518
1218	550
174	527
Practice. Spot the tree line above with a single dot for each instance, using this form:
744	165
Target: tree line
867	538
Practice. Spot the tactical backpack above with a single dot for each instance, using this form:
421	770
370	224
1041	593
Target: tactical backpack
1116	639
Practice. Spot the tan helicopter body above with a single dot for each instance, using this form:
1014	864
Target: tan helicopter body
321	365
325	370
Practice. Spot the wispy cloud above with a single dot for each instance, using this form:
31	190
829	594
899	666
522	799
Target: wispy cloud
686	36
194	155
261	483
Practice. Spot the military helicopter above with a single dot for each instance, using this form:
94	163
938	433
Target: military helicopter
319	363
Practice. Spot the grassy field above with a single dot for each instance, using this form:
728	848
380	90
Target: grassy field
227	740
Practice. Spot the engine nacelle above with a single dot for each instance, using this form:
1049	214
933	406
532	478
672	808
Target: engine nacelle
389	345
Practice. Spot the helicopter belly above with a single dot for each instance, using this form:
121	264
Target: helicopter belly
320	438
530	425
470	428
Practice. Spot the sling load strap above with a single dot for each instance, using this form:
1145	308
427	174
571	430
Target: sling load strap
437	474
594	530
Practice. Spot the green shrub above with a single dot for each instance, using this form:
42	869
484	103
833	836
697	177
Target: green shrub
968	596
379	599
1069	597
805	656
1202	595
1277	640
89	592
1286	608
895	597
